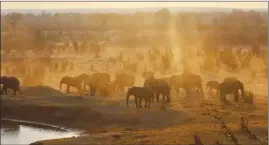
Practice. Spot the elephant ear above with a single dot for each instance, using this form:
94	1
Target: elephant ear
129	89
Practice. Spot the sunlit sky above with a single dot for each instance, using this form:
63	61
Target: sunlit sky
77	5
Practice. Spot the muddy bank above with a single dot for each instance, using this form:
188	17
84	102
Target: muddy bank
78	115
69	117
88	117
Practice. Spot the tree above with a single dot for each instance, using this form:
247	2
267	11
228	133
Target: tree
13	20
40	39
163	16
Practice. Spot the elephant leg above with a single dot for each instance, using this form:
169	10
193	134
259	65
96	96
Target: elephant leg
68	89
148	103
14	91
4	90
236	96
163	98
223	97
79	91
140	102
152	99
136	102
201	89
92	91
168	97
157	97
19	90
83	89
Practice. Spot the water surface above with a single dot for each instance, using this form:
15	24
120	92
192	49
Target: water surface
13	132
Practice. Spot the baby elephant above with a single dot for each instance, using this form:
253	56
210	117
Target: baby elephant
140	93
212	85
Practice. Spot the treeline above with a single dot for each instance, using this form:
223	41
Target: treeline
234	28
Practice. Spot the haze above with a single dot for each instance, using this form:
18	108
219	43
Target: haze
75	5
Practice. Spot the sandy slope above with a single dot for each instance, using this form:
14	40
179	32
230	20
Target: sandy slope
171	130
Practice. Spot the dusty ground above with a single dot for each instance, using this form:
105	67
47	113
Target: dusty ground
110	121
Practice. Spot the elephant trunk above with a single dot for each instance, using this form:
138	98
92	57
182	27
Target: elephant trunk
127	97
61	85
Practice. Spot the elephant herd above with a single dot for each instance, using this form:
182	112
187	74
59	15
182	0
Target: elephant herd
98	82
152	88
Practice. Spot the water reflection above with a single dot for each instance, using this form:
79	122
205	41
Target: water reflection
25	133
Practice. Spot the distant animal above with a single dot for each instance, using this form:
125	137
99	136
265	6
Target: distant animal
159	87
230	79
72	82
104	90
112	87
10	83
166	79
148	74
176	82
191	80
98	81
231	87
103	78
124	80
186	81
140	93
212	85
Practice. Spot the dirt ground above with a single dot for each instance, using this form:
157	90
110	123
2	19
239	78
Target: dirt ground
109	121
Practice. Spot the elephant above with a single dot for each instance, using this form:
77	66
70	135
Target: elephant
230	79
11	83
98	81
85	79
159	87
186	81
72	82
231	87
92	84
102	78
212	85
124	80
166	79
175	82
112	87
139	94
